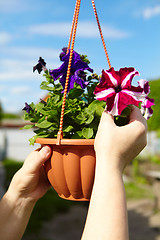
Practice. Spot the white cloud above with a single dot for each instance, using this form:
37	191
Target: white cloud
5	38
85	29
150	12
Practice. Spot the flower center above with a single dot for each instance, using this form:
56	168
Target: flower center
118	89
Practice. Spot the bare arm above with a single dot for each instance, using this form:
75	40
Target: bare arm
27	186
115	147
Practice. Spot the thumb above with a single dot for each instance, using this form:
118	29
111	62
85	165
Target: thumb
37	158
43	154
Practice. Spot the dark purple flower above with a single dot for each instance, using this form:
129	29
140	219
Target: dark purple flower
40	66
77	73
27	108
42	101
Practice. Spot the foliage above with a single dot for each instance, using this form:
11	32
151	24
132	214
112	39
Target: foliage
136	173
82	111
10	116
154	121
154	159
1	112
11	166
137	191
81	116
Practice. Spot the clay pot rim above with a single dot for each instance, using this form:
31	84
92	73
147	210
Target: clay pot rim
53	141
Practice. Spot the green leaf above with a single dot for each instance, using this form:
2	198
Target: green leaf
99	111
56	98
96	105
40	107
77	135
44	124
68	129
32	140
126	111
90	119
92	106
81	117
121	120
75	93
87	132
28	127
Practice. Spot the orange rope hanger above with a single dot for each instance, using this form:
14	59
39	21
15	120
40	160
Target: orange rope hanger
71	43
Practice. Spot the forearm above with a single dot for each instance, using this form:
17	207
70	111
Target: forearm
107	215
14	216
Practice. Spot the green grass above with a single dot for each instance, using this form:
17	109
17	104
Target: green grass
154	159
11	167
137	191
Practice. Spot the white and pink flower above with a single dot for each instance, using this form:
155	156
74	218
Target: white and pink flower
115	88
146	109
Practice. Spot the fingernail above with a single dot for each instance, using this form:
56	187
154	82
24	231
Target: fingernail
46	150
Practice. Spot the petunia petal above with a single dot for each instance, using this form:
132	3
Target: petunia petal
56	73
126	99
111	76
76	65
138	96
105	83
128	74
112	104
80	78
104	94
145	85
148	102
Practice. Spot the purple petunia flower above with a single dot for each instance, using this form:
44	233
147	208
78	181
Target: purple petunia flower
115	88
27	108
77	73
40	66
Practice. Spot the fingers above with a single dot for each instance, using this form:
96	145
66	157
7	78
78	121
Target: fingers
136	115
137	127
37	158
44	154
106	120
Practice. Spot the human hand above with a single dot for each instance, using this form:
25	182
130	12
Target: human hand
117	146
31	182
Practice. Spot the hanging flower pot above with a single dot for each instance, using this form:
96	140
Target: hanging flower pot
72	110
71	168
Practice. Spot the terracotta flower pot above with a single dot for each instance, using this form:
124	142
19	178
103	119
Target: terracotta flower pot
71	168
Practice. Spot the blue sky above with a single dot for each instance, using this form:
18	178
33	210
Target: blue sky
33	28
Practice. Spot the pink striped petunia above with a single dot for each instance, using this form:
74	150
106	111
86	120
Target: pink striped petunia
115	88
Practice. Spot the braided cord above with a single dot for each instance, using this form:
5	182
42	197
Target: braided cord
71	42
74	26
100	31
